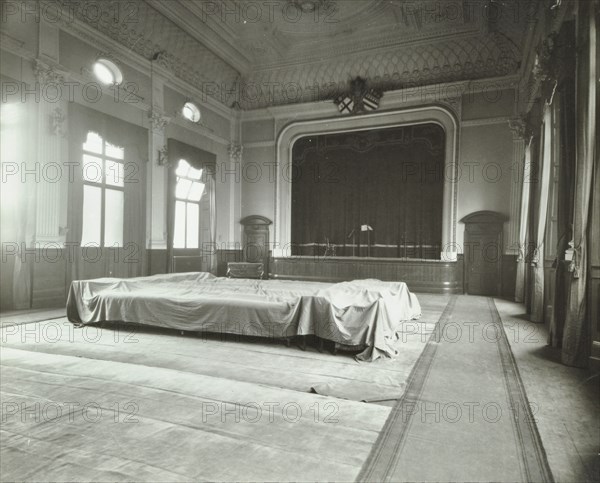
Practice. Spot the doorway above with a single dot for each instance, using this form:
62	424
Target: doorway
483	253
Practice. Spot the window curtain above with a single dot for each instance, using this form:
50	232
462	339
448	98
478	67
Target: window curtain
537	262
198	159
565	152
522	257
18	196
576	343
130	259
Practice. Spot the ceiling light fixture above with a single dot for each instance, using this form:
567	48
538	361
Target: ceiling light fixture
309	6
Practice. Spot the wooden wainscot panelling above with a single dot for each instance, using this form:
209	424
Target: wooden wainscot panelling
186	263
6	280
157	261
226	256
49	278
509	276
431	276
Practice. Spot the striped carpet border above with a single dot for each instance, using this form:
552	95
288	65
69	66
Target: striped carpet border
388	446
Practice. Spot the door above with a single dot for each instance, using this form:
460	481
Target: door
483	253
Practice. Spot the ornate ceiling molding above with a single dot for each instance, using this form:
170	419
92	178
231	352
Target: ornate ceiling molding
461	59
175	37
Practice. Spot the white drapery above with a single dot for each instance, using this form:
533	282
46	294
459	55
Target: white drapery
537	262
210	187
18	192
522	257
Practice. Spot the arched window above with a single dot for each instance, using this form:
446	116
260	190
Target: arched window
188	193
103	192
107	72
191	112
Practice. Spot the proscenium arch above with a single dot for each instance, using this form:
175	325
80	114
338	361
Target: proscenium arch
418	115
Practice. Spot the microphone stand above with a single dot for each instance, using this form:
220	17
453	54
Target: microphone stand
353	235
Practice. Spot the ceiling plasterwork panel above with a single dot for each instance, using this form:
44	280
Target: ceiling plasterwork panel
150	34
262	53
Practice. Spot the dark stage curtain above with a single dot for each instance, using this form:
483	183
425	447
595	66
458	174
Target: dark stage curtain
390	179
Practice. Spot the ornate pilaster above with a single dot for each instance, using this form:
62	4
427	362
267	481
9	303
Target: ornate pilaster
158	168
519	200
232	176
236	152
50	145
518	126
57	122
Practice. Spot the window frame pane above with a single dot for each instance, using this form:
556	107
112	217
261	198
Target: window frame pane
105	184
190	177
91	227
109	211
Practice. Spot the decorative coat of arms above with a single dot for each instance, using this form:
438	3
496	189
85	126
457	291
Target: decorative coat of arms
359	99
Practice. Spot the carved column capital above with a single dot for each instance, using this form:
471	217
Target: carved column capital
519	128
46	74
158	120
164	60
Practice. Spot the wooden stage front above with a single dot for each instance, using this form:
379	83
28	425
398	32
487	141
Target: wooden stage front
430	276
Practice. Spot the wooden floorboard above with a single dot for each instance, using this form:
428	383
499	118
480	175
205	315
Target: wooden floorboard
206	408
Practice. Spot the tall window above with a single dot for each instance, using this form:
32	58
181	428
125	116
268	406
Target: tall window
103	192
188	193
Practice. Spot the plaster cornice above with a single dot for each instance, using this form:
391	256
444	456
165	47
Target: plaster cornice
211	36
